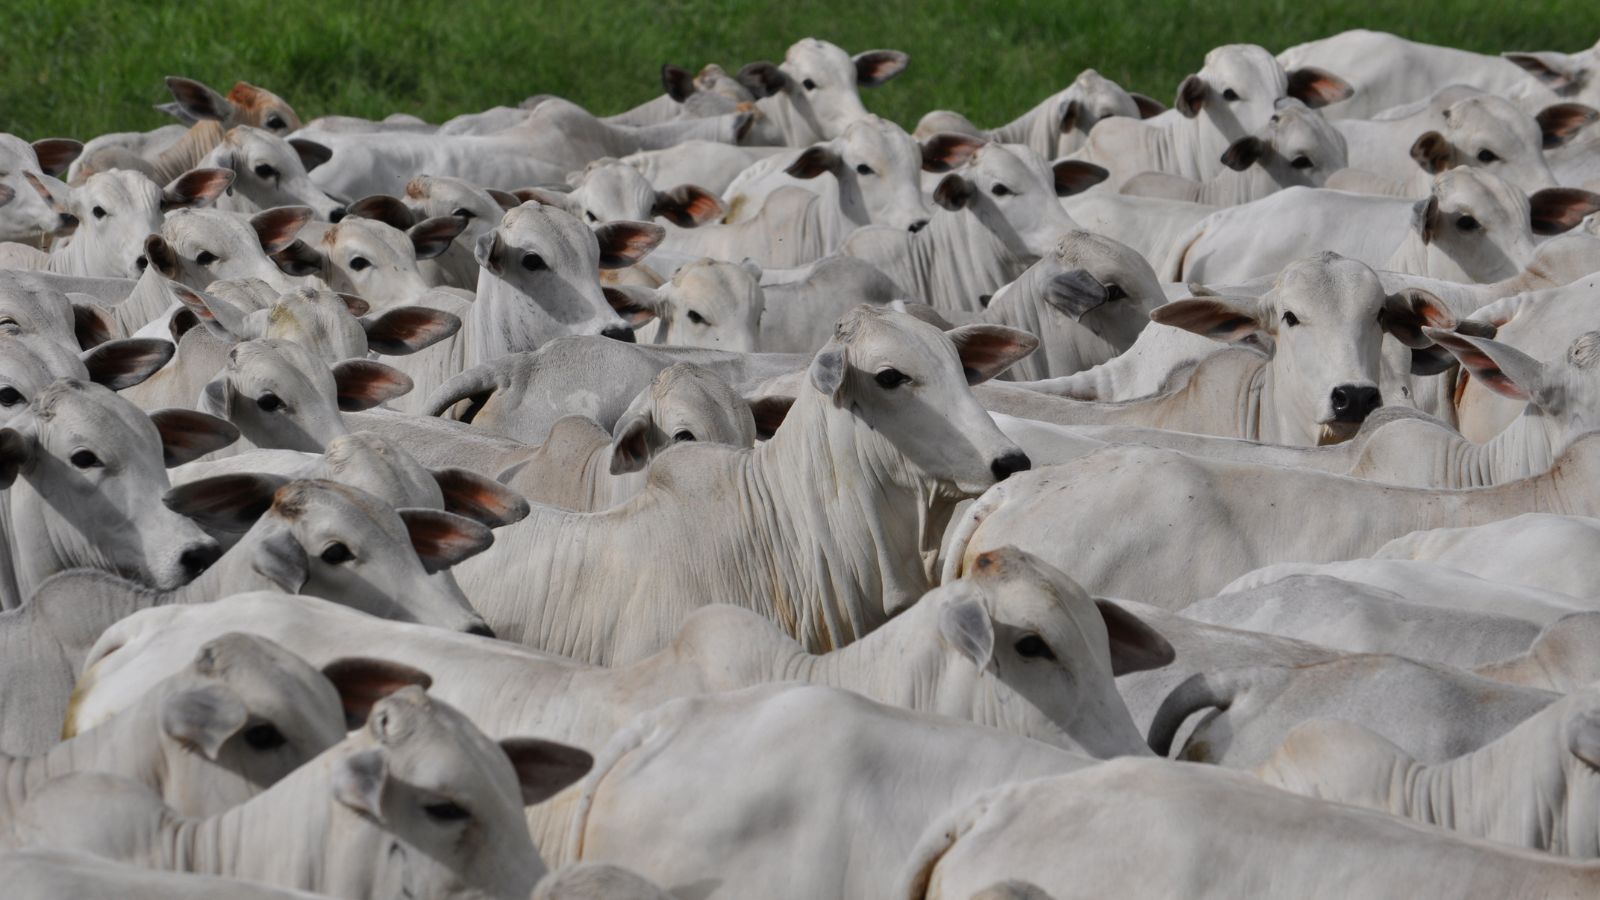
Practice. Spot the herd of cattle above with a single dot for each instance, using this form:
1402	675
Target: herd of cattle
398	510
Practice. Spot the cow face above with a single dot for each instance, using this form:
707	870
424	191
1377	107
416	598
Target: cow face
1492	134
281	396
1298	147
823	82
272	171
684	404
1014	194
877	166
708	303
198	246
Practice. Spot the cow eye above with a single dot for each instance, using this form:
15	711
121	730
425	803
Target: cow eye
1031	646
10	396
446	812
9	325
590	216
682	436
264	737
1290	319
533	262
464	213
275	123
99	212
358	263
891	378
85	459
269	402
863	169
1487	156
697	318
809	85
1115	292
205	258
1000	190
1301	162
266	171
336	553
1468	223
1230	95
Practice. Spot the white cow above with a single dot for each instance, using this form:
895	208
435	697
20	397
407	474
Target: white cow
706	303
1058	124
53	874
271	171
608	190
813	95
1535	550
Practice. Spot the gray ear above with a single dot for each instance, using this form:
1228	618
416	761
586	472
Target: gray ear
359	779
124	363
1583	736
312	154
1244	153
1076	293
223	502
954	192
187	435
431	237
1191	96
280	559
813	161
988	350
362	682
630	443
16	451
203	718
1135	646
828	368
545	768
197	101
966	627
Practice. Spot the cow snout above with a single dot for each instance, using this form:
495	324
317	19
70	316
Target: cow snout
481	629
621	333
337	213
1353	403
68	220
917	226
198	558
1010	464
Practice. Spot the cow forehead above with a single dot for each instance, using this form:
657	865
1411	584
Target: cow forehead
1330	282
878	137
191	224
536	223
1002	162
1474	189
879	334
81	409
121	189
1019	588
1244	67
815	54
357	233
712	280
273	682
304	500
436	748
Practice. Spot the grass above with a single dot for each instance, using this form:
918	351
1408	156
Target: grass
78	68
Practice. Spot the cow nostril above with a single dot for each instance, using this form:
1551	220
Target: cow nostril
1353	403
338	213
199	558
481	629
619	333
1010	464
918	225
68	220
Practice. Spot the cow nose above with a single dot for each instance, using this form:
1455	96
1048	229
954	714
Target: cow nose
199	558
618	333
918	225
1010	464
481	629
1353	403
338	213
68	220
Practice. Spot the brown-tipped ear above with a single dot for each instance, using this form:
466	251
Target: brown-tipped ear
203	717
1317	88
1070	116
954	192
1135	646
357	306
187	435
276	228
443	539
1075	176
815	160
874	67
431	237
631	443
6	195
988	350
196	186
480	498
1244	153
391	211
225	502
1501	368
1149	107
159	253
125	363
947	150
1405	313
218	315
407	329
197	101
761	79
300	259
55	155
506	200
545	768
89	326
362	682
311	153
1555	70
677	82
688	206
16	452
769	413
636	305
1219	318
1560	122
623	244
1191	96
1432	152
363	384
1558	210
1425	218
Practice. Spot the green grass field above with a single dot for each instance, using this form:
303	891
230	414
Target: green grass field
79	68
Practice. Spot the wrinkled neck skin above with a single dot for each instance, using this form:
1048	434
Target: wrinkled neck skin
150	299
1277	417
121	746
954	261
1065	346
503	320
1415	257
1528	446
1208	136
1039	129
43	542
792	113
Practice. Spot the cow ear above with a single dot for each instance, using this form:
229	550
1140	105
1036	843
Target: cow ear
557	199
16	452
947	150
159	253
631	443
362	384
362	682
677	82
356	306
1076	293
1502	368
196	186
954	192
431	237
486	251
1555	70
815	160
635	304
828	369
769	413
198	101
1069	116
359	779
1317	88
276	228
1432	152
219	316
225	502
443	539
1425	218
203	717
480	498
688	206
623	244
1222	319
1558	210
762	79
1191	96
55	155
875	67
279	558
1558	123
1075	176
1405	313
187	435
1135	646
389	210
965	627
91	326
6	195
506	200
311	153
122	364
1244	153
1149	107
988	350
407	329
545	768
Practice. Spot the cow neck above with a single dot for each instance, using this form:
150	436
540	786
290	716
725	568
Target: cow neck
956	260
43	544
121	746
1262	419
852	525
900	664
1567	488
1526	447
10	585
149	300
799	126
1038	129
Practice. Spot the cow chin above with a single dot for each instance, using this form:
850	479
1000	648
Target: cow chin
1329	433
